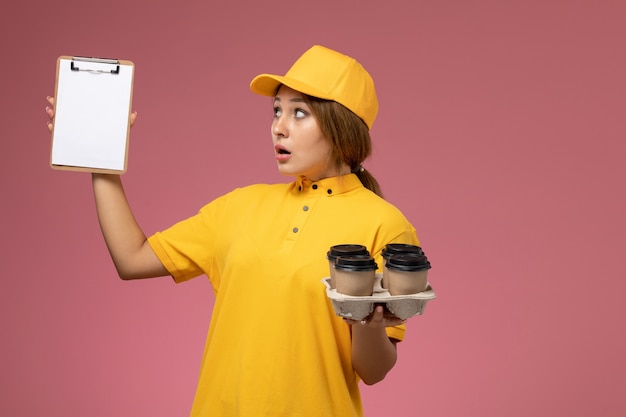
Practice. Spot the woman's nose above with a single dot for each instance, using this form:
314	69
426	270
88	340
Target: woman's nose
279	128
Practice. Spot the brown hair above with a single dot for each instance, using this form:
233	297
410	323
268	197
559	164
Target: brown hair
349	137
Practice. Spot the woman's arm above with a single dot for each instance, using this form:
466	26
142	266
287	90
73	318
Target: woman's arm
373	353
132	255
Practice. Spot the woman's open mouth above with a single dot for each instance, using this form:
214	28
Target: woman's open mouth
282	154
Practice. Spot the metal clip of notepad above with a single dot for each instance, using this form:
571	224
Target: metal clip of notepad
95	65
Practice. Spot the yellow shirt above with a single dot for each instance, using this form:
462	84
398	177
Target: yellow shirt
275	346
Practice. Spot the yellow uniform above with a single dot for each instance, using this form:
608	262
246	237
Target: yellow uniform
275	346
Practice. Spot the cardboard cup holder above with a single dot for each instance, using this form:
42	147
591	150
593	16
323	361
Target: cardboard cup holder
359	307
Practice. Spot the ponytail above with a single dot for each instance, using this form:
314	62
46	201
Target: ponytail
369	181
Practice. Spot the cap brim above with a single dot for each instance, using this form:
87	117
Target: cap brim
267	85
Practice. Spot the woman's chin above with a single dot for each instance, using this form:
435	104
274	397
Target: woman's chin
283	170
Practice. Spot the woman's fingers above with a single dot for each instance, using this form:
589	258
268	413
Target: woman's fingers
133	116
50	112
377	319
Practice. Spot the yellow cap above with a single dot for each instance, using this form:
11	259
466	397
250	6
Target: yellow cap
323	73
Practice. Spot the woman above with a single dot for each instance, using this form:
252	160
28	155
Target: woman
275	346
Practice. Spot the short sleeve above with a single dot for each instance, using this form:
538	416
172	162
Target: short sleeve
396	332
188	248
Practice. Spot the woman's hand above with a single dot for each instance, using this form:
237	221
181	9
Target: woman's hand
377	319
373	352
50	113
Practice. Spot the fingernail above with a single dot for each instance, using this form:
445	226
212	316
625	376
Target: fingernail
47	108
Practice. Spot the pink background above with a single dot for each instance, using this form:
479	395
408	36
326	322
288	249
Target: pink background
501	136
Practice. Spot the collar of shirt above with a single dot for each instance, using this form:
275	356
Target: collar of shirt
328	186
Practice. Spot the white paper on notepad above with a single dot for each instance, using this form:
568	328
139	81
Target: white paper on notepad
92	116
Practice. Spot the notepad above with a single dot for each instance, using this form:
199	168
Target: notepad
93	98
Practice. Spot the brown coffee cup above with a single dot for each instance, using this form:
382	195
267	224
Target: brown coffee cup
397	249
355	275
342	250
406	274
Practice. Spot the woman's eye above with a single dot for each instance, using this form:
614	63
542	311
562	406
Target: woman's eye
300	113
277	112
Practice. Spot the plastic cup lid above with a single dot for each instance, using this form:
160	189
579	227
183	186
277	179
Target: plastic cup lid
346	250
401	249
356	263
408	262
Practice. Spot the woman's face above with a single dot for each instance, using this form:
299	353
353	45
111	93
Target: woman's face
300	147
